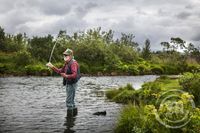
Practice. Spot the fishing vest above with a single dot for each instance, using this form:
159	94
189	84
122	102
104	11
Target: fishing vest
69	71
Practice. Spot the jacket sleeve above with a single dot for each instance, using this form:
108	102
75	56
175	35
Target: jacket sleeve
58	70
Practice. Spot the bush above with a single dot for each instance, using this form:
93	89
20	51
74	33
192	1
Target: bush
191	83
3	68
149	92
139	119
125	96
23	58
133	70
84	68
156	69
112	93
143	69
170	69
38	70
130	120
142	119
193	68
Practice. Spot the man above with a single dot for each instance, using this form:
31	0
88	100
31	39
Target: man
71	74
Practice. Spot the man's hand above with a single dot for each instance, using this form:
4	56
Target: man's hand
49	65
64	75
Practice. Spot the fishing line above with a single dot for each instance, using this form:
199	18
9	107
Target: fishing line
53	50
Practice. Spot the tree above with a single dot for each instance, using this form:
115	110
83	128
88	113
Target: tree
174	45
127	39
177	43
2	39
166	46
40	47
146	51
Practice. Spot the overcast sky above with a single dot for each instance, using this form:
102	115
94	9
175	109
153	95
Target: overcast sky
157	20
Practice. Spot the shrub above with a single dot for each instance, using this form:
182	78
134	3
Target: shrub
156	69
143	69
22	58
193	68
142	119
3	68
38	70
133	70
139	119
125	96
191	83
84	67
170	69
112	93
149	92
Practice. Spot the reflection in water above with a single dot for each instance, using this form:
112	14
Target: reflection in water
69	123
70	119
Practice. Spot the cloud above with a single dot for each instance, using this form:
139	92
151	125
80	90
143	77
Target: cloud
158	20
81	10
183	15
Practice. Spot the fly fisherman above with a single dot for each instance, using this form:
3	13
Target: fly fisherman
71	74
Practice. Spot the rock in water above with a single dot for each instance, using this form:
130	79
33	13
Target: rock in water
100	113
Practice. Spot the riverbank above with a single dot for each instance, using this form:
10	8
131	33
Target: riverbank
143	107
130	70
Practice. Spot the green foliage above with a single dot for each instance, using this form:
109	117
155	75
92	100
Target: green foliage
84	68
22	58
112	93
139	119
130	121
146	51
40	47
157	69
12	43
169	69
191	83
142	119
99	53
125	96
133	70
4	68
122	95
39	70
143	116
144	69
193	68
149	92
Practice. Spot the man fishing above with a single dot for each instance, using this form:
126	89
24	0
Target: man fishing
71	74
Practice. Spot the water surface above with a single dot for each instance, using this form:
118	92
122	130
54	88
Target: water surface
37	104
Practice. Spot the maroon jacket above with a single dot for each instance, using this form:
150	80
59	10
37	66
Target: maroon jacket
74	68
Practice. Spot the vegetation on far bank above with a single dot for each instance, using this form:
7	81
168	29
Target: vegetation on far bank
140	113
98	53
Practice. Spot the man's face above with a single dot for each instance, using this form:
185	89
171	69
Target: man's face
67	58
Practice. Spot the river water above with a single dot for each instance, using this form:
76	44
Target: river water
37	104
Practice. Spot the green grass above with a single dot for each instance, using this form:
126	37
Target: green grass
167	84
122	95
141	118
148	92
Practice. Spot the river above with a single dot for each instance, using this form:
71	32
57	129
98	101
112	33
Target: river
37	104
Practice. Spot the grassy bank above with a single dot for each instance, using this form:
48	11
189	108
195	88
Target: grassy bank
143	107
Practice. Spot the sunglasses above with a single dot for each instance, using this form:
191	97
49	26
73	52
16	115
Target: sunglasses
66	55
